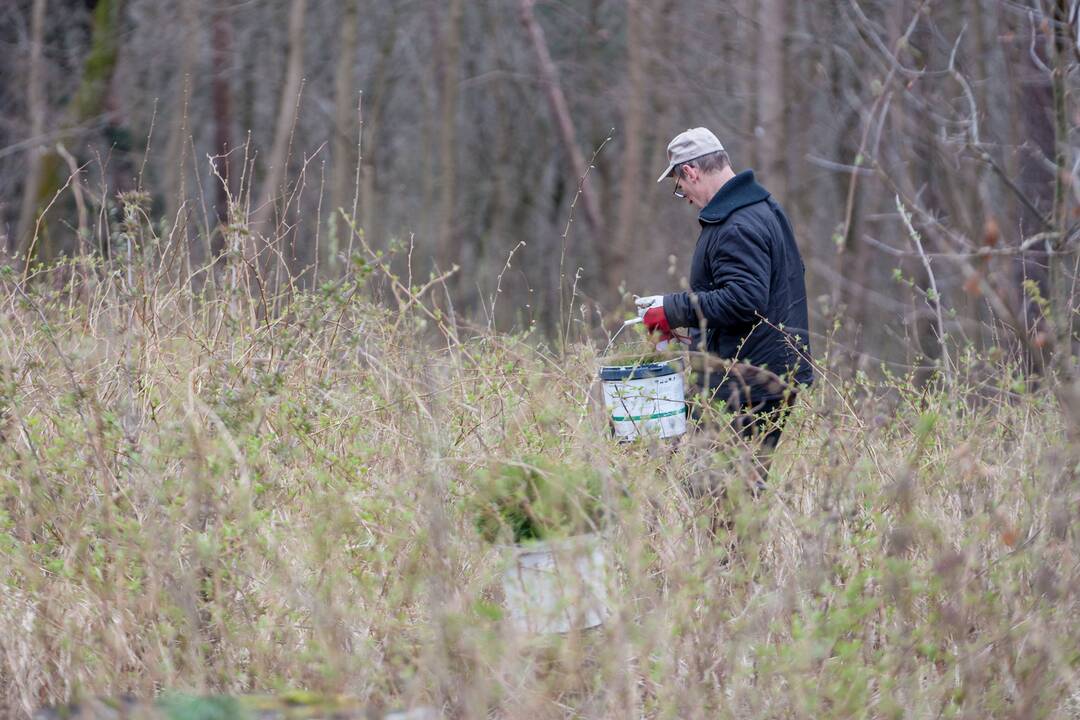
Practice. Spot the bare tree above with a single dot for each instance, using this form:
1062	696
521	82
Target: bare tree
289	101
379	93
88	102
175	190
560	110
221	41
342	156
1066	52
771	22
961	109
448	137
627	232
36	104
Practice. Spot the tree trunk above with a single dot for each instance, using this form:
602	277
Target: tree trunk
627	235
278	160
376	98
771	16
1063	261
88	102
221	39
429	147
1037	131
501	196
175	188
560	112
451	50
342	155
849	190
28	211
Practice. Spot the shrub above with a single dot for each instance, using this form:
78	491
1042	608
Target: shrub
537	499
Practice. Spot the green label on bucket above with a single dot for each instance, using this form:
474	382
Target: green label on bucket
654	416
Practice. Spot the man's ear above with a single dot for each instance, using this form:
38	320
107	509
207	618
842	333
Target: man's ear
690	173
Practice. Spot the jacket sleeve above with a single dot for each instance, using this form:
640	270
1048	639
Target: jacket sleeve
740	265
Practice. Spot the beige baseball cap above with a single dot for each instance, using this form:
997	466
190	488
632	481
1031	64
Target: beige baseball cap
690	145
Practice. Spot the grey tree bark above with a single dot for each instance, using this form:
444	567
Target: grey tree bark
627	234
772	21
343	156
560	110
1063	264
278	159
221	52
451	60
378	92
35	92
179	131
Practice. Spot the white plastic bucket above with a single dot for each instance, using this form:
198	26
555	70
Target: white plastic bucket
646	399
555	586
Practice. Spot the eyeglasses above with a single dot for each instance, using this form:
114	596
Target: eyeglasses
677	193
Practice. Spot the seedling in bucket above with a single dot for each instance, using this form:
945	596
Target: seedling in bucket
554	580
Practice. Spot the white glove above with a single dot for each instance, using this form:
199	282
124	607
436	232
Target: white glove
645	302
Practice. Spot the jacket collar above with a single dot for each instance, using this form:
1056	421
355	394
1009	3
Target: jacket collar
738	192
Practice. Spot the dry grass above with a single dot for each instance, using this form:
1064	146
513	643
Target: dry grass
204	496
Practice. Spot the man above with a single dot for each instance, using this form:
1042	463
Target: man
747	298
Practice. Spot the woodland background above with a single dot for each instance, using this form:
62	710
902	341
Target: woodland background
479	119
261	340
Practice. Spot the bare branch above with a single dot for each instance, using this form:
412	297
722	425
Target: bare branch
896	67
934	296
1031	48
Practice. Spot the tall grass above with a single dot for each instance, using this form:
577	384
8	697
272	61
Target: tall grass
214	488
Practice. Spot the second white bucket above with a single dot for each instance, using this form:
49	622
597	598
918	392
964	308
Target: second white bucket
558	585
646	399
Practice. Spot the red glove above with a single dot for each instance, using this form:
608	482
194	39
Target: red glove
656	322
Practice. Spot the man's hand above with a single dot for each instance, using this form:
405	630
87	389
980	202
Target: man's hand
656	322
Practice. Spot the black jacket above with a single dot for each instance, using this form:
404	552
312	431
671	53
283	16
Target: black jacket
747	270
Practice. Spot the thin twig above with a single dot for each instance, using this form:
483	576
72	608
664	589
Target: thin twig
934	296
566	231
498	284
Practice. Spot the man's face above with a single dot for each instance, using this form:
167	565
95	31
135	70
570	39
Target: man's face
689	185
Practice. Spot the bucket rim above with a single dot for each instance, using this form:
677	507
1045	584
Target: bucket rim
641	371
557	544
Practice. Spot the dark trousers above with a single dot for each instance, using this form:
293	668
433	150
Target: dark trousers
763	422
759	422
